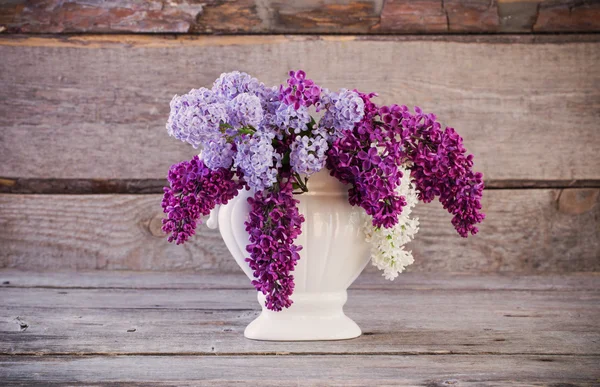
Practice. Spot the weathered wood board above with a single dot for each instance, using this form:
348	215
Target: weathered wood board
499	318
307	16
143	329
525	231
326	370
95	107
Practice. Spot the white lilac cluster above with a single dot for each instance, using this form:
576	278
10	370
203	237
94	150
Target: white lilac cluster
387	244
342	110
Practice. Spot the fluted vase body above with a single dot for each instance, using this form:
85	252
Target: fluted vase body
334	253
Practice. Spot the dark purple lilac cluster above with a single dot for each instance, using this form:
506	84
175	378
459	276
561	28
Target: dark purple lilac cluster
368	157
358	159
440	167
194	191
300	91
273	224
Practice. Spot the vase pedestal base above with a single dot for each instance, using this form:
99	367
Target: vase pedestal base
312	316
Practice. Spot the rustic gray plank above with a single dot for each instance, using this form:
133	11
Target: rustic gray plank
103	279
515	315
309	16
243	299
525	231
400	322
303	370
95	106
442	333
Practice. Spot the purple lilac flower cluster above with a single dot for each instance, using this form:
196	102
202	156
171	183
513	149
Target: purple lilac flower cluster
300	91
440	167
195	117
359	159
308	153
218	153
194	191
342	110
273	224
257	160
264	139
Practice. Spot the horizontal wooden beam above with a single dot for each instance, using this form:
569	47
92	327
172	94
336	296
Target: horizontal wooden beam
355	371
526	231
312	16
94	107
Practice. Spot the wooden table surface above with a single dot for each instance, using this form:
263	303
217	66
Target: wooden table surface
126	328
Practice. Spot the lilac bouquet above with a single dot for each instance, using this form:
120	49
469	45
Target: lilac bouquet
264	139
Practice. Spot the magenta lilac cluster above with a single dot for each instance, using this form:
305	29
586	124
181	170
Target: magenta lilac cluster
359	159
273	224
194	191
442	168
264	139
300	90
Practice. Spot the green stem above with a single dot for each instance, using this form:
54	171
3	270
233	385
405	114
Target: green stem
300	183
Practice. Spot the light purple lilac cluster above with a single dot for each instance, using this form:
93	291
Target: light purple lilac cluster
257	160
196	116
194	191
273	224
342	110
308	153
264	139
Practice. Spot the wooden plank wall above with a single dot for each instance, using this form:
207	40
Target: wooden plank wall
308	16
84	92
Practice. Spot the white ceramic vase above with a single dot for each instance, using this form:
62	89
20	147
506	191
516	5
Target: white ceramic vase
334	253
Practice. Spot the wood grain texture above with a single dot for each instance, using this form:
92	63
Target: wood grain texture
492	315
330	370
310	16
140	329
96	106
525	231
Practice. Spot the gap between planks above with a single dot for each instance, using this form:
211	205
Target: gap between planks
15	185
217	280
11	185
290	353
